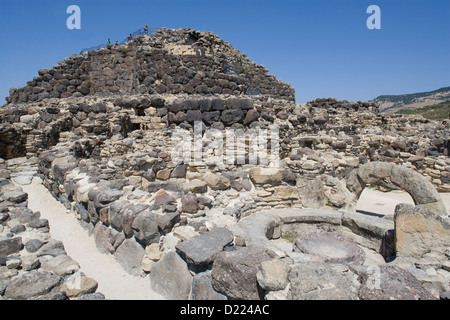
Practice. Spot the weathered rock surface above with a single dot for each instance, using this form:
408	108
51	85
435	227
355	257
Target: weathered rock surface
332	247
202	288
391	283
170	277
322	281
129	255
202	249
234	272
32	284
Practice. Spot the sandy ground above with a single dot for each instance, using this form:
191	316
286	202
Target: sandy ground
112	280
384	203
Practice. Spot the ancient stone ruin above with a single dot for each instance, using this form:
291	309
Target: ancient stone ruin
196	169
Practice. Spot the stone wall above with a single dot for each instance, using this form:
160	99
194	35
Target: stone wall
33	266
153	65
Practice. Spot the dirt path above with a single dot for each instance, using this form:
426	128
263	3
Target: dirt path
112	280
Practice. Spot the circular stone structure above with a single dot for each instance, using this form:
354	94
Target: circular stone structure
332	247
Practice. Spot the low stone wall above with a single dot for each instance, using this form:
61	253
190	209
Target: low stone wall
33	266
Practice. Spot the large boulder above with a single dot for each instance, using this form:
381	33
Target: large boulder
322	281
129	255
273	275
32	284
61	265
418	231
391	283
234	272
102	238
10	245
311	192
171	278
232	116
266	175
202	288
146	227
202	249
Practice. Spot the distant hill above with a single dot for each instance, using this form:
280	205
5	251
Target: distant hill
438	111
395	103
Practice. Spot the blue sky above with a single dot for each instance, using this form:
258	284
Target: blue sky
321	47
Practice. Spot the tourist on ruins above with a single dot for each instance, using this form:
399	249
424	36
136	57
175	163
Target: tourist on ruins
108	42
117	43
146	29
130	37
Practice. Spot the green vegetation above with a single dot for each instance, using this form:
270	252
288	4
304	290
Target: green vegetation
289	236
405	99
438	111
409	98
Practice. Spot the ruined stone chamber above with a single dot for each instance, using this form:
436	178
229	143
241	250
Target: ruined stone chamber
267	209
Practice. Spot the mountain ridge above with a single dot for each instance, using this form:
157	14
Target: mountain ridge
395	103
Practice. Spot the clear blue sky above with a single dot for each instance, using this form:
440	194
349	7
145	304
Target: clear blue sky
321	47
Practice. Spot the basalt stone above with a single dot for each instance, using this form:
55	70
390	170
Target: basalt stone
127	217
166	185
189	203
202	249
146	227
52	248
32	284
10	246
211	117
244	104
18	229
179	171
157	102
99	107
61	265
232	116
168	219
193	116
129	255
205	105
322	281
218	104
189	104
391	283
267	116
218	126
171	278
60	169
162	197
251	116
202	288
40	223
33	245
234	272
104	196
201	89
15	196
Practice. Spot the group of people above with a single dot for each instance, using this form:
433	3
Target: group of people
130	37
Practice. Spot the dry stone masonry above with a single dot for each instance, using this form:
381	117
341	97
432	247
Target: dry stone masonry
33	265
104	129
